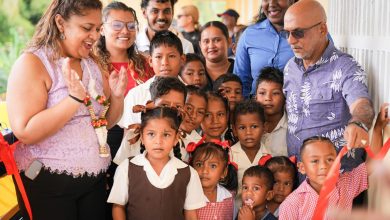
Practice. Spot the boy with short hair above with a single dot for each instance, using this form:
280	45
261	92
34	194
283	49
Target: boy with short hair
166	59
318	154
269	93
230	86
165	91
257	185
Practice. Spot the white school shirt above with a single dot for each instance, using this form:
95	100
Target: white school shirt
139	95
241	159
276	141
195	198
126	149
143	43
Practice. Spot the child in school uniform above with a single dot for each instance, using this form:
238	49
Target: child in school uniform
155	184
166	59
257	184
165	91
285	181
230	86
248	126
269	93
195	111
219	181
215	125
318	154
194	71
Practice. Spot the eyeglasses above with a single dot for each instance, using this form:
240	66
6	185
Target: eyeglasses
118	25
297	33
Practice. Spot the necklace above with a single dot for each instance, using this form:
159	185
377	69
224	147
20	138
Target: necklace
98	123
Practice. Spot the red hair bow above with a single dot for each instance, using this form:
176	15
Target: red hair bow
192	146
264	159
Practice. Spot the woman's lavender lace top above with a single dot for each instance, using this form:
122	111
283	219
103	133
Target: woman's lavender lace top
74	148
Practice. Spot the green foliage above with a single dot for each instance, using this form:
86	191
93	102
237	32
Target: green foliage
32	10
17	21
9	52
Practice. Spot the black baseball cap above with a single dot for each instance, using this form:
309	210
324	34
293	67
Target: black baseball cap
230	12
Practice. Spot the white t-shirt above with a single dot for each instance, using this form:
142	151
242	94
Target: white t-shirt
276	141
136	96
195	198
143	43
241	159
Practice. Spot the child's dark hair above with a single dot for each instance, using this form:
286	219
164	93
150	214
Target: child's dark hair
249	106
229	136
221	26
165	38
312	139
191	57
227	77
208	150
270	74
173	117
263	173
283	164
191	89
163	85
145	3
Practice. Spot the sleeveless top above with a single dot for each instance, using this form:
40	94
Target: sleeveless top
147	202
74	148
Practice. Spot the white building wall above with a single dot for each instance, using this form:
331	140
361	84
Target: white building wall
362	29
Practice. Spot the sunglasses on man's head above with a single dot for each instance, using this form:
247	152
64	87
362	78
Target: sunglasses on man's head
118	25
297	33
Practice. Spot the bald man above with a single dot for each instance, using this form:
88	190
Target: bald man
326	89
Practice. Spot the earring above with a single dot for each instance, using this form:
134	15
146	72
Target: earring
62	36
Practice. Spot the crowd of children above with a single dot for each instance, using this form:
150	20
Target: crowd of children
204	152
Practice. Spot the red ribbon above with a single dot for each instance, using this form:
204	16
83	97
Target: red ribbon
333	176
7	156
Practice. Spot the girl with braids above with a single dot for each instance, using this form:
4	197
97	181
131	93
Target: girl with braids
141	183
219	181
116	49
60	106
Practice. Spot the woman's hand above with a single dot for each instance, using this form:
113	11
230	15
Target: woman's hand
72	81
118	82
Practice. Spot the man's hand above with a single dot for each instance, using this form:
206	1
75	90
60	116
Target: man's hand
355	136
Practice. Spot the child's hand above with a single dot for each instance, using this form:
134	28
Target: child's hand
246	213
383	117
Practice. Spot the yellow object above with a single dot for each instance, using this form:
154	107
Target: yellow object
8	201
4	116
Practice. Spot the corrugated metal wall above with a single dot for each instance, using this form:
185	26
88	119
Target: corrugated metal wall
362	28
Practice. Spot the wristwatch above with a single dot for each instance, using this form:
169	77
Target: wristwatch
359	124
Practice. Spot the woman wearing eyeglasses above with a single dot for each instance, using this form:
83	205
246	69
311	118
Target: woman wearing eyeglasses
262	44
116	49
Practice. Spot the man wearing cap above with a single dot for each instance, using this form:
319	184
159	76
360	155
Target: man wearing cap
230	18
